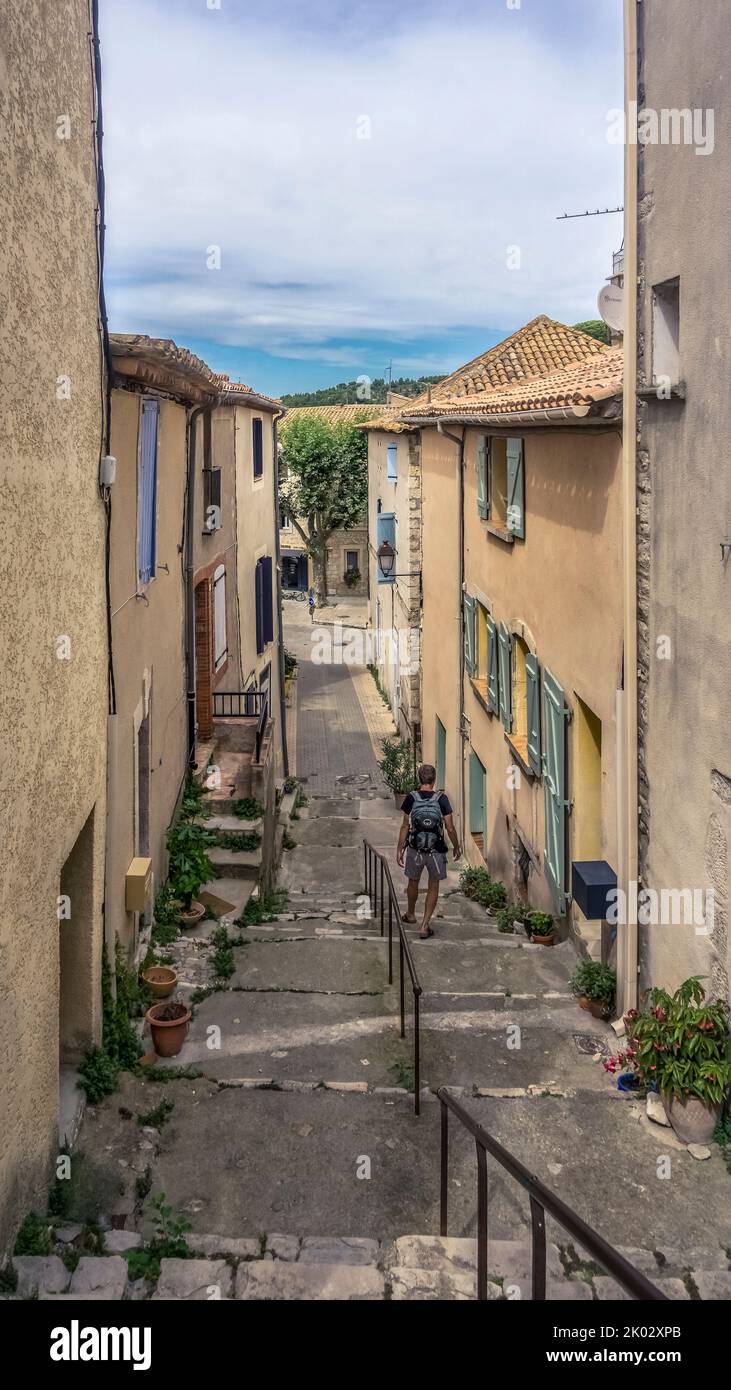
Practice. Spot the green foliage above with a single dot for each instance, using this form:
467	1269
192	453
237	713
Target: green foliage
35	1236
164	1075
120	1048
402	1074
506	919
245	842
189	864
352	577
594	981
722	1136
290	663
374	672
166	926
195	800
481	888
681	1043
595	328
397	764
346	392
71	1257
168	1241
248	808
540	923
223	956
263	909
143	1184
288	842
158	1117
326	482
8	1279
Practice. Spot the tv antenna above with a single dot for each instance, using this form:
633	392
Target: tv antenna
598	212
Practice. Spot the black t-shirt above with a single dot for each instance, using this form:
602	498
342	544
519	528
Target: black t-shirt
445	806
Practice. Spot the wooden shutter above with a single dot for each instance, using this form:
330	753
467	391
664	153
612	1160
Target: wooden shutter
478	780
505	677
257	447
555	718
211	498
516	488
220	651
493	685
392	452
259	603
267	600
385	531
533	702
147	494
483	492
468	616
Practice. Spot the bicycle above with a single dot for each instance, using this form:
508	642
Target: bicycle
297	595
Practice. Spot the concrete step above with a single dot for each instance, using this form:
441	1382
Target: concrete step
230	863
234	825
226	897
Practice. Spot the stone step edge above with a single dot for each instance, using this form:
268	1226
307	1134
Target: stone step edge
533	1091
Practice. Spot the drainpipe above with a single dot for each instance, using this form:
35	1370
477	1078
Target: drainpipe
278	556
627	935
205	411
459	441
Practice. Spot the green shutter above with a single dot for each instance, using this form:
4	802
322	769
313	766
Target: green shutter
516	489
504	677
441	753
493	693
483	497
478	809
555	716
533	701
469	612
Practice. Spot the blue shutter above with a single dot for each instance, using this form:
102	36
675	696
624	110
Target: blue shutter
483	495
493	689
516	489
267	599
468	617
505	677
533	703
392	452
385	531
555	718
147	495
259	602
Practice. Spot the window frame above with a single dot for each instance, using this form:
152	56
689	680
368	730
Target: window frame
257	448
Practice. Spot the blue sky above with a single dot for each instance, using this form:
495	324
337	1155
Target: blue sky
382	181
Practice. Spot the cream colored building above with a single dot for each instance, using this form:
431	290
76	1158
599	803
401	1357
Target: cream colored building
53	695
522	618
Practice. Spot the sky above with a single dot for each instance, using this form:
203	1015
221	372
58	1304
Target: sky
303	193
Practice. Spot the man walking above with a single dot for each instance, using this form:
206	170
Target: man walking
421	844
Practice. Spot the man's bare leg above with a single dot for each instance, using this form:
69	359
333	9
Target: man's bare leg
432	897
412	893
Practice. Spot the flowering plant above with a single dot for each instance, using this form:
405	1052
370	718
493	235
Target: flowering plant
679	1043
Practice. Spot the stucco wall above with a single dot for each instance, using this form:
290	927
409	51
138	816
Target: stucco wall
219	547
52	710
442	606
396	607
258	520
684	496
149	646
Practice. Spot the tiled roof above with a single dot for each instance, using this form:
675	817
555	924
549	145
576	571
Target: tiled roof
228	387
159	361
597	378
338	414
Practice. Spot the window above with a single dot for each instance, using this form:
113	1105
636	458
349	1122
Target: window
147	492
501	485
351	560
478	804
441	754
505	689
588	783
555	717
392	463
526	732
211	500
257	447
666	333
285	522
264	602
385	532
219	618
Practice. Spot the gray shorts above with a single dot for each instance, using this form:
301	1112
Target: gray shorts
415	862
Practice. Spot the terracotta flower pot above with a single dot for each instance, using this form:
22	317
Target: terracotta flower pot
583	1002
191	916
692	1121
168	1034
160	980
542	940
597	1009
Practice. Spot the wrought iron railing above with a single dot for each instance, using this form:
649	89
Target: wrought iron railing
384	902
237	704
542	1200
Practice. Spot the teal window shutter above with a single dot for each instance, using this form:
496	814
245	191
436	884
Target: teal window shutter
483	496
469	611
555	718
478	800
493	690
516	488
385	531
505	677
533	688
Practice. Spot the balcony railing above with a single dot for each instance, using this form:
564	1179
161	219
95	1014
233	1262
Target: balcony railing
244	704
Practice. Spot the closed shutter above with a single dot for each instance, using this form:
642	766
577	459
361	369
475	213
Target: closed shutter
259	605
478	779
267	599
219	617
555	718
257	447
504	677
392	453
483	492
469	615
385	531
533	702
516	488
493	687
147	495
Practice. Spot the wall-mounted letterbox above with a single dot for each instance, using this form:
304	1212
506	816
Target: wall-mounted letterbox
592	880
138	885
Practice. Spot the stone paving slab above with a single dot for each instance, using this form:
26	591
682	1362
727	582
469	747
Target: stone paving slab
310	867
314	1281
40	1273
354	1250
198	1280
102	1274
315	964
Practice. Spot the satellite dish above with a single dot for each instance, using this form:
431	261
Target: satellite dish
611	306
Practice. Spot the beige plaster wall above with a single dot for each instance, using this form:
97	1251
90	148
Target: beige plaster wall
258	521
396	608
219	547
442	613
52	710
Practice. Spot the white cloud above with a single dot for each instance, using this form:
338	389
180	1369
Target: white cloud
242	137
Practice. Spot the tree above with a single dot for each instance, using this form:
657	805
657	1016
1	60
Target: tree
324	485
595	328
351	392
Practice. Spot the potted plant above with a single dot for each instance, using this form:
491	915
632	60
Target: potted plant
477	885
168	1026
397	766
594	985
506	919
541	928
189	867
352	577
681	1044
160	980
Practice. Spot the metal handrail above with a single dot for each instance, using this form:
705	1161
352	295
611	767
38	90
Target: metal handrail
542	1200
237	704
371	858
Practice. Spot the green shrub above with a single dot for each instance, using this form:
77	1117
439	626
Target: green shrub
263	909
248	808
195	800
681	1043
34	1236
189	864
481	888
397	764
223	956
594	981
540	923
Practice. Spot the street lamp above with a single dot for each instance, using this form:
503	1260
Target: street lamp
386	559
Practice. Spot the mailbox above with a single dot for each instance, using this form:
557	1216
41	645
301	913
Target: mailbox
138	885
592	880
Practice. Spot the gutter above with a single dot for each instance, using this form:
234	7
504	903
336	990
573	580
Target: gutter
628	944
515	417
460	442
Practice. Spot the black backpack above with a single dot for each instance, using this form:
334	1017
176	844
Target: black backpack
426	827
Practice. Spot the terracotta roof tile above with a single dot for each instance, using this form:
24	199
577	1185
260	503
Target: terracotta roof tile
339	414
580	383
